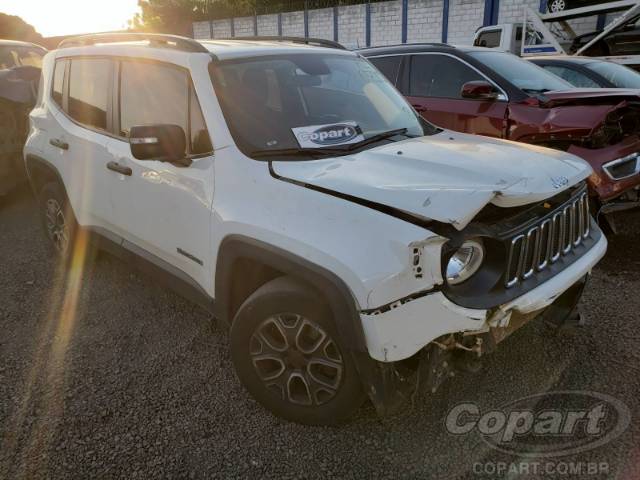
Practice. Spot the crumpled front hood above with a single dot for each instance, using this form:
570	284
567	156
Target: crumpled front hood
448	177
589	96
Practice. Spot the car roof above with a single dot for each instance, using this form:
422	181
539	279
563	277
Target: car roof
173	47
566	58
17	43
422	47
243	48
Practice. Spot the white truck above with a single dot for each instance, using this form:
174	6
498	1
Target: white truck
551	34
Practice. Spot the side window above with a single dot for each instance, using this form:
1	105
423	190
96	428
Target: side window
199	136
389	66
58	81
89	91
489	39
575	78
439	76
152	94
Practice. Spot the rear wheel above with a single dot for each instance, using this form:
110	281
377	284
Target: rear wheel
287	353
58	220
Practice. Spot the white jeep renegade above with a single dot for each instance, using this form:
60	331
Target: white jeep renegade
353	249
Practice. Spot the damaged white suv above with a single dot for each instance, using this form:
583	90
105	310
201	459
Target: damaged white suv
352	248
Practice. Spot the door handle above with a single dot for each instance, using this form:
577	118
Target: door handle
59	144
116	167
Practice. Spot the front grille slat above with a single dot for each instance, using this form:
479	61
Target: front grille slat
541	245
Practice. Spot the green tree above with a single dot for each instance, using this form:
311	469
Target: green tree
14	28
166	15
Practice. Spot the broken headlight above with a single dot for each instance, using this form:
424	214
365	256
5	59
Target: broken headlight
465	262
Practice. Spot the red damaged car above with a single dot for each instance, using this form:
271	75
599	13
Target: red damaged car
493	93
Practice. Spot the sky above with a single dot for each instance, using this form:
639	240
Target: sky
65	17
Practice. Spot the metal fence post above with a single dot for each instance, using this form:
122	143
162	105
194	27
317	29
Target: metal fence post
306	19
279	24
367	23
543	6
336	11
233	27
445	20
491	9
405	20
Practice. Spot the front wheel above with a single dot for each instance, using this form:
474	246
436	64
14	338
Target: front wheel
287	353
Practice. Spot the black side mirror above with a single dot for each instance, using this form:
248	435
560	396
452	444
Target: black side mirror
166	143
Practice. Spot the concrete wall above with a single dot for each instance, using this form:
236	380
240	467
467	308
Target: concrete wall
424	22
268	25
321	23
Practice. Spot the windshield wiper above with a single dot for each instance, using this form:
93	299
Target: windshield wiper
296	152
376	138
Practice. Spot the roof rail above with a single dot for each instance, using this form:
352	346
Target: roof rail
408	45
157	40
321	42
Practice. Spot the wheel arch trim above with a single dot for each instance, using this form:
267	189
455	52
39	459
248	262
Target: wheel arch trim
340	298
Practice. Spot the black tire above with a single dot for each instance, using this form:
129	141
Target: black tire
58	220
285	327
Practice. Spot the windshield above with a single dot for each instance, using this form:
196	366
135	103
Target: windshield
312	102
619	75
525	75
17	56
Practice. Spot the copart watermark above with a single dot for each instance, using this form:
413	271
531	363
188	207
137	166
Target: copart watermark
544	425
519	469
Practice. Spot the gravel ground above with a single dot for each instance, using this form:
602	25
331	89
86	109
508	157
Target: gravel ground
128	380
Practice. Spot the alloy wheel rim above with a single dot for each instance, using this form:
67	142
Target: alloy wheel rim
557	6
57	227
297	360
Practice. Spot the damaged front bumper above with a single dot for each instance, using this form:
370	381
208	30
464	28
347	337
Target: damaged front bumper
402	331
616	172
415	344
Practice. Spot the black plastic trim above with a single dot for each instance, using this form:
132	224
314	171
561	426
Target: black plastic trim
158	269
340	298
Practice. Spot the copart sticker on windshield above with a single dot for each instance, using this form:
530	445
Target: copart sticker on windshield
318	136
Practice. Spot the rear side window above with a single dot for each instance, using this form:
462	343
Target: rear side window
153	94
439	76
575	78
58	82
389	66
89	91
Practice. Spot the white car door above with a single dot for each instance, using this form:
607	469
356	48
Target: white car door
164	208
78	137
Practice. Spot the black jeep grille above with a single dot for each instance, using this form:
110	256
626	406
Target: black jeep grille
556	235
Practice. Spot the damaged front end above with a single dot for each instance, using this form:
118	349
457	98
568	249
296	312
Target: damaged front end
603	130
538	259
414	379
